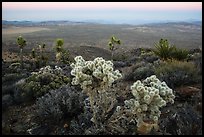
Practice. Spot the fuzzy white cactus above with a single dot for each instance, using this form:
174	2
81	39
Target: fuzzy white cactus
95	77
97	73
149	95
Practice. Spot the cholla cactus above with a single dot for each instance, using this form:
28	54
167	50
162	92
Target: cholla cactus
143	110
93	74
150	95
95	77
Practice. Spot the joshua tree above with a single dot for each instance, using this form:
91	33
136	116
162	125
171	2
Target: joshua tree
62	55
42	57
39	57
59	49
21	43
112	46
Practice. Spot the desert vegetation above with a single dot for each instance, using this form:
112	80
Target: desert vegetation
142	91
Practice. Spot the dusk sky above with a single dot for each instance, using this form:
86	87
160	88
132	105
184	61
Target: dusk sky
118	12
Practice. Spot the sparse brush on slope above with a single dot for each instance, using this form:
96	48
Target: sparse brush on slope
39	83
177	73
64	102
179	54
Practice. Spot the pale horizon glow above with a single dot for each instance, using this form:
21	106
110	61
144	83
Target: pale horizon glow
101	10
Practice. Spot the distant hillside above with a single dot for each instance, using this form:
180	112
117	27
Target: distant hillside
42	23
198	23
67	22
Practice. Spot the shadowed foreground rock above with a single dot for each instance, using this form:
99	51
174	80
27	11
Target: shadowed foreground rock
182	121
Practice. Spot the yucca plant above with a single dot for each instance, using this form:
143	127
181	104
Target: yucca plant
163	49
21	43
113	41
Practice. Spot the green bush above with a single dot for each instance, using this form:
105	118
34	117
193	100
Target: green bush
179	54
176	73
139	71
41	82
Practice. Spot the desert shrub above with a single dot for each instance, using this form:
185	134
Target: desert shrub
82	122
179	54
120	64
149	56
65	102
14	66
41	82
139	71
7	100
196	58
9	80
177	73
185	119
120	57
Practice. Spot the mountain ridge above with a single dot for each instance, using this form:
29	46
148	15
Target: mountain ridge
68	22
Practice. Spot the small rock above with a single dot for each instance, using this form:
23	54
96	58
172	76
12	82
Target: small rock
187	91
39	130
65	125
18	128
7	100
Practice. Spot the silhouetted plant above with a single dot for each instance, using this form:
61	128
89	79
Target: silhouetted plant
113	41
21	43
